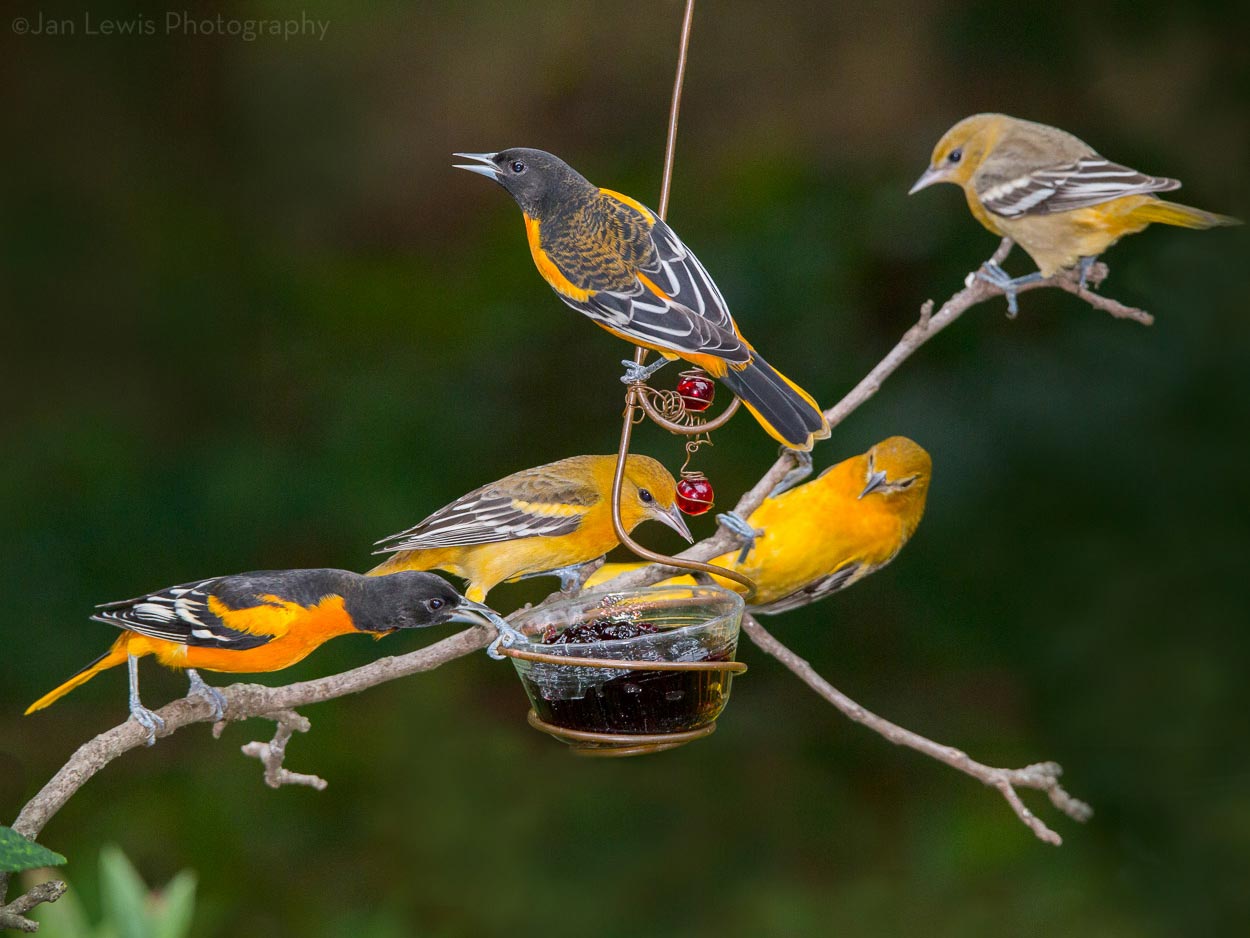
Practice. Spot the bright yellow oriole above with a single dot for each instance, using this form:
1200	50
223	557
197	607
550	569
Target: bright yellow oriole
823	536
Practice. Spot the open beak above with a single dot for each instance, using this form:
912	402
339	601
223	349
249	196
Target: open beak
875	481
927	178
672	517
486	168
472	613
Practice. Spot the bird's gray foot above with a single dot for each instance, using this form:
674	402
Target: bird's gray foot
734	522
1084	267
141	714
636	373
574	577
508	636
992	274
200	689
801	470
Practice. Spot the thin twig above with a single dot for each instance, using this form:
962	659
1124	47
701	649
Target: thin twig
1043	776
272	753
13	915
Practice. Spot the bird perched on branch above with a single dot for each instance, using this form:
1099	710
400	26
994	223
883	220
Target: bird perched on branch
1050	193
613	259
818	538
263	621
551	519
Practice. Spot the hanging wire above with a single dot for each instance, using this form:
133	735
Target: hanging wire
639	396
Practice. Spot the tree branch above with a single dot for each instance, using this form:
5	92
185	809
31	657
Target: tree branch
245	701
1044	776
13	915
975	291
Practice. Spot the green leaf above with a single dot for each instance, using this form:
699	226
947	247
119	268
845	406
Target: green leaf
174	908
17	853
123	895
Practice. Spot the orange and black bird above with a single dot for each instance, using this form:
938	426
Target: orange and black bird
612	259
262	621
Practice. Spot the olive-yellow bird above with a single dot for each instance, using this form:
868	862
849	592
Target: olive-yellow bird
1051	193
550	519
818	538
615	261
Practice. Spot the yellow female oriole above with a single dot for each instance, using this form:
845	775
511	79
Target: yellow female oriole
550	519
1050	193
262	621
613	259
816	539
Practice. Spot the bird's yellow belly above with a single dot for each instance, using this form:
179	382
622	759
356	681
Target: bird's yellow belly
1059	241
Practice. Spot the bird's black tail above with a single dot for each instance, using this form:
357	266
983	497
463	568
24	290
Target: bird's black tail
784	409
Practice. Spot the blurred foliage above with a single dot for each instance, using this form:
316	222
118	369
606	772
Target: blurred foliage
254	320
129	909
17	853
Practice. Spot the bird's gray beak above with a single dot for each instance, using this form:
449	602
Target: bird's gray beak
672	517
472	613
927	178
487	167
875	481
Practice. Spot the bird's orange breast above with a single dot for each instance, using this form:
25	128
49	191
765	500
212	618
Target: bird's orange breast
310	627
547	267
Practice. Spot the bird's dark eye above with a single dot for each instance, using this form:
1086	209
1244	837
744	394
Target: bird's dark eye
645	497
955	155
906	483
436	604
517	167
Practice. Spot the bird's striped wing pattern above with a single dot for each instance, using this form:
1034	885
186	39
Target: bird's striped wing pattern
513	508
672	304
1089	181
817	590
179	614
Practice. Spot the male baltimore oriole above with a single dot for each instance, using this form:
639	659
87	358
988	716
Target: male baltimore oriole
1050	193
613	259
262	621
816	539
549	519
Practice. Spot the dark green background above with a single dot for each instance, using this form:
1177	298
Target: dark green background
252	318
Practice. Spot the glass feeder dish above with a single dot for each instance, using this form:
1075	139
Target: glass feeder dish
629	696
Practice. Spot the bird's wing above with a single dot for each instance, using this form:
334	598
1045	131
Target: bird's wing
532	503
186	615
670	303
816	590
1088	181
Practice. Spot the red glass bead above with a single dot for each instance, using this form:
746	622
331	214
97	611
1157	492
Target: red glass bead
694	496
697	392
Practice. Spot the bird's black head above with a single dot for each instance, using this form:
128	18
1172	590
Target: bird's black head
535	178
409	600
